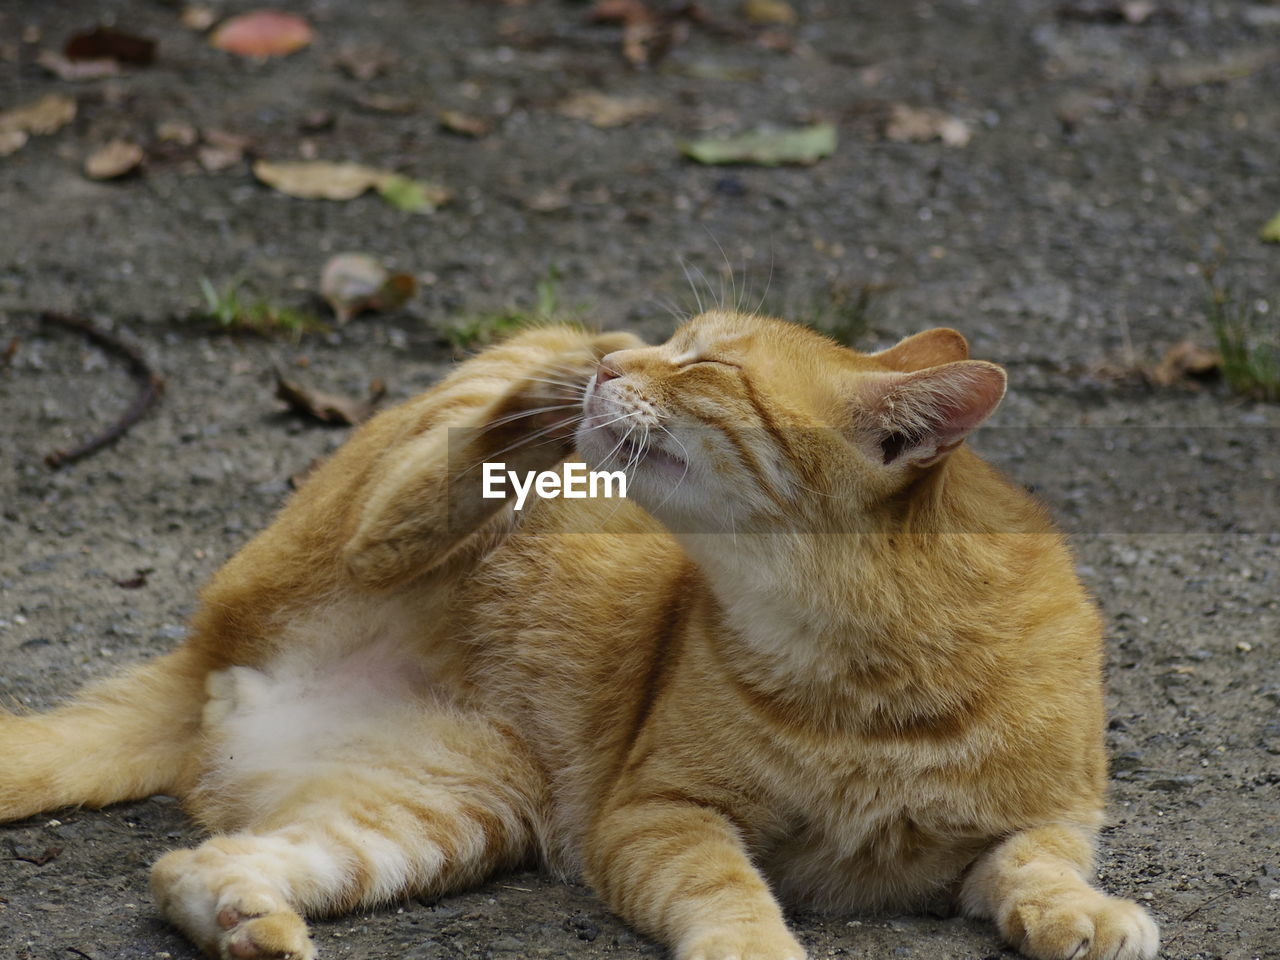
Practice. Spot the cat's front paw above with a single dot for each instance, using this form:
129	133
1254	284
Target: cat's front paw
1083	927
745	941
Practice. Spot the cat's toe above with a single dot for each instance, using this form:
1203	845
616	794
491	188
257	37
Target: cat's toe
277	936
1124	931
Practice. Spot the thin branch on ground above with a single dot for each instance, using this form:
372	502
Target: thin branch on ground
150	384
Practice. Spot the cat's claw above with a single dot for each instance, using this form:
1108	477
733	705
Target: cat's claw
1094	928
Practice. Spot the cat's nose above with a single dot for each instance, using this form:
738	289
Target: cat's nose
606	372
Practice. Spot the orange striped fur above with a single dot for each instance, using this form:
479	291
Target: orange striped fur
823	655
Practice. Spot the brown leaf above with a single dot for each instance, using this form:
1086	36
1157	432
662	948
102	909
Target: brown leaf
326	407
1183	362
387	103
601	110
137	581
177	131
922	124
105	43
363	61
115	159
73	70
465	124
262	33
39	860
46	115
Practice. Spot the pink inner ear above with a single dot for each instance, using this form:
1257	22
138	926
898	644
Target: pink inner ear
923	416
976	394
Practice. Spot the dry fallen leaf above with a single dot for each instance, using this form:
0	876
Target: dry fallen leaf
44	116
105	43
355	282
387	103
922	124
322	180
198	17
115	159
364	62
11	141
73	70
768	12
177	131
1183	362
602	110
465	124
221	150
327	407
643	28
318	179
262	33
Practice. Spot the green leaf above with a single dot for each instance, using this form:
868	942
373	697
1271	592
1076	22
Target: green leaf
1270	232
412	196
766	148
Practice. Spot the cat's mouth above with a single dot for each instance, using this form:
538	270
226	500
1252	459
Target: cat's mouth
636	447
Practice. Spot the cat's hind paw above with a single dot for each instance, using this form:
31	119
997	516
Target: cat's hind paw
1096	927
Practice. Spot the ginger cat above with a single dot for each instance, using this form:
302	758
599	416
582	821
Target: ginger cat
824	655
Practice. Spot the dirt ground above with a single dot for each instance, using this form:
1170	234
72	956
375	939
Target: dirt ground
1108	162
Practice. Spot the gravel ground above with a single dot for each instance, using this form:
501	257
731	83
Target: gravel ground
1109	162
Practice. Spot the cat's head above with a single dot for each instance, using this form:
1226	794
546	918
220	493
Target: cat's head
754	421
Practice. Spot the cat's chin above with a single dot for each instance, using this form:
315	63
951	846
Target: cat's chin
609	449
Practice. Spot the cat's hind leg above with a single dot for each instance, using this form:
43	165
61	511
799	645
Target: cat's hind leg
1033	884
414	797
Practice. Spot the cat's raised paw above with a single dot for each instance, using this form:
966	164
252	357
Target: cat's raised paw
1096	928
743	942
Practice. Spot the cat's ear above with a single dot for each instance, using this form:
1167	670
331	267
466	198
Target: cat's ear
918	418
926	349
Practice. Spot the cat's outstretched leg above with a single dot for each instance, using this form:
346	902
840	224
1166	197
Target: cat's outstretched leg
1033	884
680	872
130	736
516	403
334	799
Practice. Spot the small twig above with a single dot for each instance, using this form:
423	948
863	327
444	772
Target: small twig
50	853
150	383
1213	899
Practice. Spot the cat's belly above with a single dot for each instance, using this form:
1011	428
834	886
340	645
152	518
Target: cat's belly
881	862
